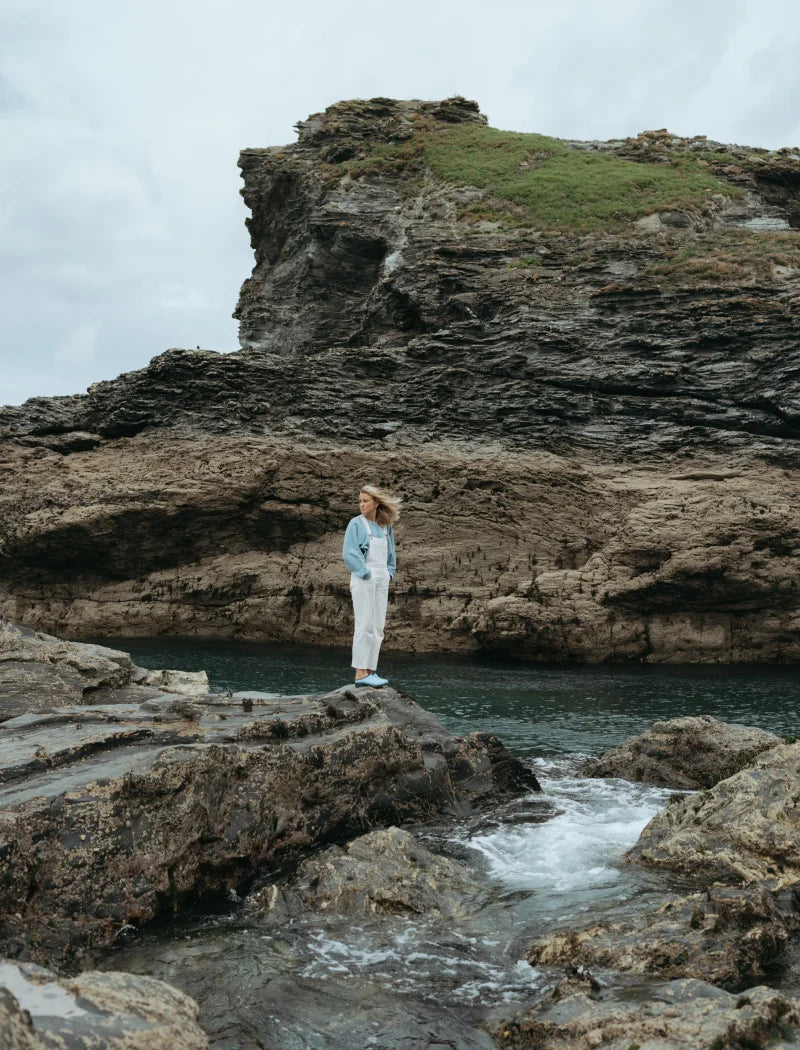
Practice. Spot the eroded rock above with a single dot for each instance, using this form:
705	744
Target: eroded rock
744	829
384	872
39	672
680	1015
728	936
685	753
93	1011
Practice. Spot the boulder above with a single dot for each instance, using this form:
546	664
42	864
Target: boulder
385	872
728	936
679	1015
685	753
743	829
93	1011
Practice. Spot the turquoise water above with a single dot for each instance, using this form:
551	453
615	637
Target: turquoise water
536	709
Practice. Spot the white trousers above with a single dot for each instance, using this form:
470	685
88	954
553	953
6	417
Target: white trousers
369	608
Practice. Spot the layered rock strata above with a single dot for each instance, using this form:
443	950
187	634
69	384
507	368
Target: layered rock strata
595	430
114	812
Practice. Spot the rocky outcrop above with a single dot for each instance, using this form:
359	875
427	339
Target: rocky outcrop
684	753
93	1011
385	872
114	812
595	429
744	829
729	936
38	672
675	1016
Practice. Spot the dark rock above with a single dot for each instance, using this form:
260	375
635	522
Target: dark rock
684	753
115	812
616	431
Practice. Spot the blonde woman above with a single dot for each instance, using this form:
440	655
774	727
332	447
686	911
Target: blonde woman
369	554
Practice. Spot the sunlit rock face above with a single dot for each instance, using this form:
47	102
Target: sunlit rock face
593	419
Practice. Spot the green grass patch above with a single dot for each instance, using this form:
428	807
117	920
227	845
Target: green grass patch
732	255
547	184
536	181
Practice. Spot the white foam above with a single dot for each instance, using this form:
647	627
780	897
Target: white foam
415	965
580	846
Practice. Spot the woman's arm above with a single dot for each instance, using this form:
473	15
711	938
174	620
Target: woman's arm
351	550
391	559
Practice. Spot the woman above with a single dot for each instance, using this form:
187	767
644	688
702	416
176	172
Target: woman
368	553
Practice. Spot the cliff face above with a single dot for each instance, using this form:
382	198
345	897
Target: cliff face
577	361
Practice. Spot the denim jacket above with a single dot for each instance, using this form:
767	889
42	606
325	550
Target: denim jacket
356	545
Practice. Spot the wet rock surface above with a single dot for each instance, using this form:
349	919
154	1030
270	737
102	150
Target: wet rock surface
674	1016
598	449
684	753
113	813
384	872
93	1011
743	829
729	936
739	931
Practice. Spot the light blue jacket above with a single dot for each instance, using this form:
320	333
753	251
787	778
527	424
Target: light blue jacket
356	545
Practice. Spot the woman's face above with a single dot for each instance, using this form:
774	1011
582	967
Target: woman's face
367	505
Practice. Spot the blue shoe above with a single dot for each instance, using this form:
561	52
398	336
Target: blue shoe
383	681
371	679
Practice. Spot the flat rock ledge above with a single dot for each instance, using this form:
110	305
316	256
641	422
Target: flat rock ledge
114	812
745	829
678	1015
93	1011
684	753
385	872
730	936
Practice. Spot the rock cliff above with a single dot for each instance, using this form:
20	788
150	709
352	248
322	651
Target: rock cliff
578	362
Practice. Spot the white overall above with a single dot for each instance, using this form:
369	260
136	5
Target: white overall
369	602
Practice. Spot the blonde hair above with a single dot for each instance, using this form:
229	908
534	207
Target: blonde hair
388	511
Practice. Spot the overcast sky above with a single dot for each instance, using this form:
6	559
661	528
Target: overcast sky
121	225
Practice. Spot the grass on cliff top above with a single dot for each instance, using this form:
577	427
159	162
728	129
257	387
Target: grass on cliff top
533	180
555	186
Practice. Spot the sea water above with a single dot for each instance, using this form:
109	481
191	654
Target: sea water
550	861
